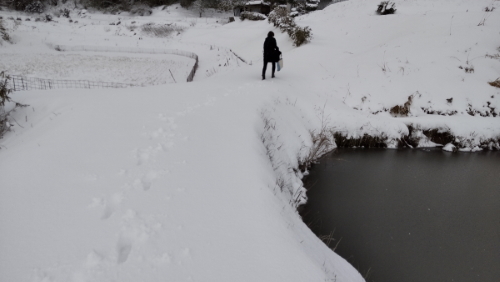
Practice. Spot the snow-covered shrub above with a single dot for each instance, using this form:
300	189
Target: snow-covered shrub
4	35
4	89
4	125
65	12
311	5
48	17
300	35
386	8
35	7
4	97
252	16
280	18
304	7
286	23
300	9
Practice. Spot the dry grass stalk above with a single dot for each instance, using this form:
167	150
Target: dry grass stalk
495	83
161	30
402	111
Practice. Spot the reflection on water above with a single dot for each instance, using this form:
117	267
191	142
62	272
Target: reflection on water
410	215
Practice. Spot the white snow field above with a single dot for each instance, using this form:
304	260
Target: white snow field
199	181
100	67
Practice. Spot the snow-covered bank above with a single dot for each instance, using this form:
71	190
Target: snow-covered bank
171	184
199	181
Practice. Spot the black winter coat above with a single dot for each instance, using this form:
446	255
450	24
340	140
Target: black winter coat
271	50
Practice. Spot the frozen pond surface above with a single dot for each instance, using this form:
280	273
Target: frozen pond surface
410	215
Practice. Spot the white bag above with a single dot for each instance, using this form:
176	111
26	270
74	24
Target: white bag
279	64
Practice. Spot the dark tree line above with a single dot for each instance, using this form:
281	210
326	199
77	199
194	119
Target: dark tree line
21	5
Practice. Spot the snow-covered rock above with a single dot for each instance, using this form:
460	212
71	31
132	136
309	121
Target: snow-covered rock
449	148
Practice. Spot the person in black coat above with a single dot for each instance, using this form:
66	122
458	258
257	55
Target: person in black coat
271	53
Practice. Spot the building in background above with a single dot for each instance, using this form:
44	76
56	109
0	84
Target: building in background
260	7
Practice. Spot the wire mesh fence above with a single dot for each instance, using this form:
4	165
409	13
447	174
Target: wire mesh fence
23	83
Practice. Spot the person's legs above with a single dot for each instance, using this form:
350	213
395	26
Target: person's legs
264	69
274	68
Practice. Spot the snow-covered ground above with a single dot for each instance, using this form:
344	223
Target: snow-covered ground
100	67
200	181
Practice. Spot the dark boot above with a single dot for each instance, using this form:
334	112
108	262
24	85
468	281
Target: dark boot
263	77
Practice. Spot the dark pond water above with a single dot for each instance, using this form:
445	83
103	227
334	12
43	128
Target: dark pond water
410	215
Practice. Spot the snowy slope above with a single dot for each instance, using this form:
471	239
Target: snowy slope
175	182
